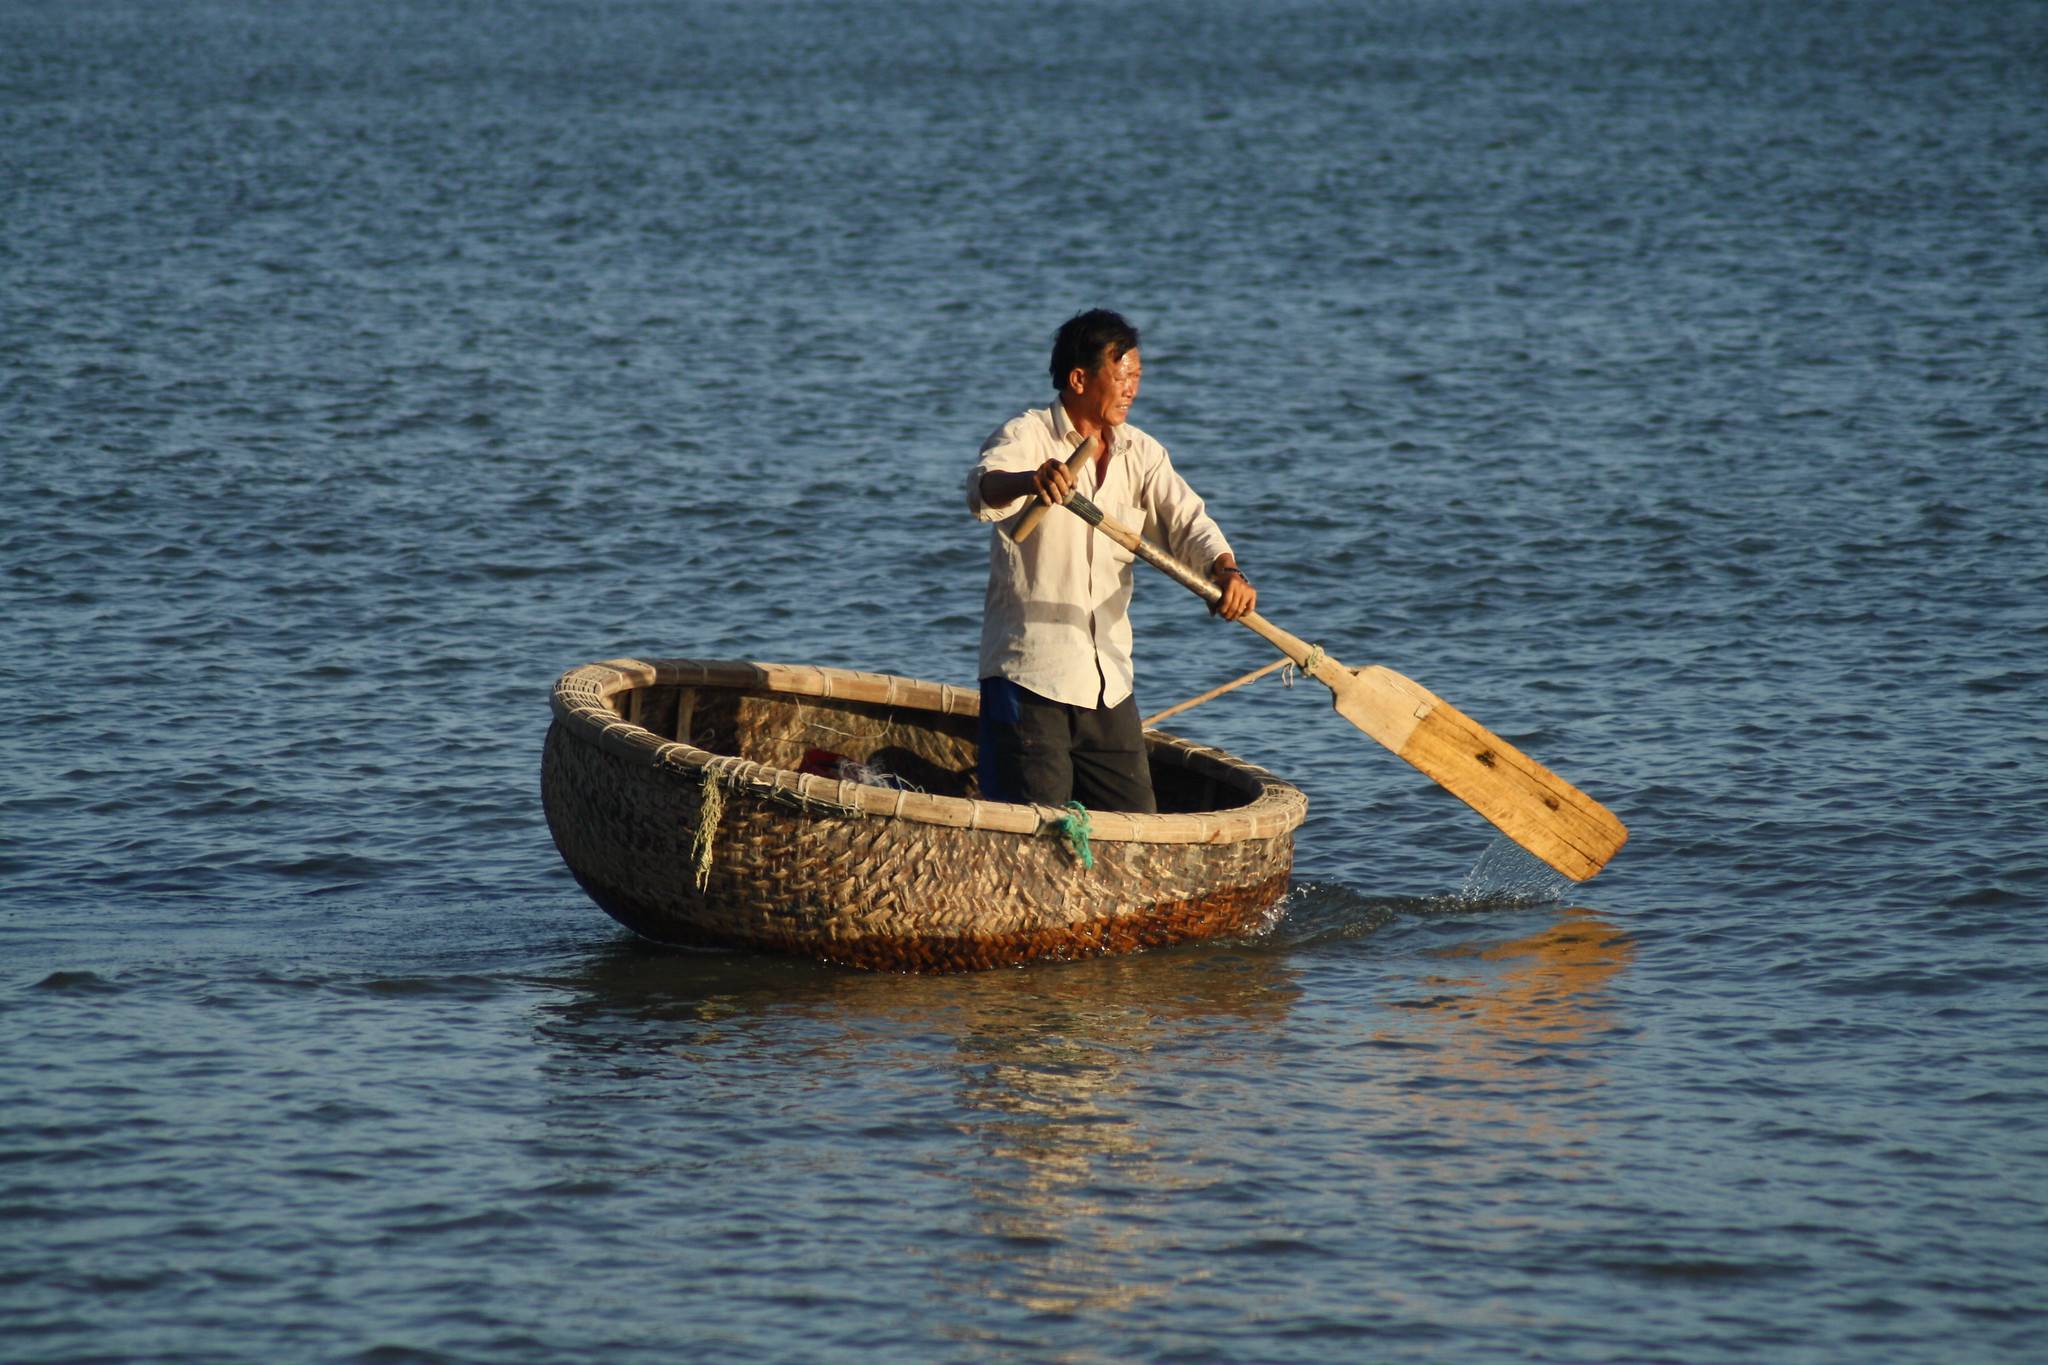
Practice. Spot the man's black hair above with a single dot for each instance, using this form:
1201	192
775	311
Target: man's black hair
1087	339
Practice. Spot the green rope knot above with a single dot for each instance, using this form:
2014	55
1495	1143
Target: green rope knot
1077	829
1313	658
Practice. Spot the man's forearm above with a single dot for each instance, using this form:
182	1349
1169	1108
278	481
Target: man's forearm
998	487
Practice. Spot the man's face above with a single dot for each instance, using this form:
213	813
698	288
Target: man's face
1108	390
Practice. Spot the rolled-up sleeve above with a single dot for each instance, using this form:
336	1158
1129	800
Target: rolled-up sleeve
1180	515
1014	448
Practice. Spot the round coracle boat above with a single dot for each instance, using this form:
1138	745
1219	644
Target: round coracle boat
835	815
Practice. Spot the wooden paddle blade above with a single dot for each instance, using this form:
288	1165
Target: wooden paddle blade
1529	803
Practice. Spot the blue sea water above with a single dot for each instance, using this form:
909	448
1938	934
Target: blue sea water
1661	384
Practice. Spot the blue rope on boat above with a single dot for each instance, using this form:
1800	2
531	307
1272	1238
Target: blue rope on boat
1077	829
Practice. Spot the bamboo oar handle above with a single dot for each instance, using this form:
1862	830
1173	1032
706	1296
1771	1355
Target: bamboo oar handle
1036	512
1310	659
1144	549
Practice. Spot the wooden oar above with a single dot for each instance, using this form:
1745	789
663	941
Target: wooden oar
1035	513
1529	803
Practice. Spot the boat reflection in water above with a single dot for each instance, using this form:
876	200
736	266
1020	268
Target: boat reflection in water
1060	1139
1019	1131
1082	1096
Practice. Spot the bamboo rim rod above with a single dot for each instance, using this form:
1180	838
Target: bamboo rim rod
1153	720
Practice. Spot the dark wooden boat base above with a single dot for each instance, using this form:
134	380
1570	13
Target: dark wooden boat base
1229	913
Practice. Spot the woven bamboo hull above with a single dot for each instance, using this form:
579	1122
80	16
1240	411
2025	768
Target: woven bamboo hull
713	838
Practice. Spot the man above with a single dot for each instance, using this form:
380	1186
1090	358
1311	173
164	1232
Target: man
1058	719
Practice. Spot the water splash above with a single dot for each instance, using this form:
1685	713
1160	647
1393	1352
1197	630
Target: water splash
1508	875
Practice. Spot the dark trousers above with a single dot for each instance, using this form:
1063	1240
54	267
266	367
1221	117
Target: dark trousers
1049	753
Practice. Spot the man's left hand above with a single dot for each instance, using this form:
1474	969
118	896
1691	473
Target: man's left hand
1239	596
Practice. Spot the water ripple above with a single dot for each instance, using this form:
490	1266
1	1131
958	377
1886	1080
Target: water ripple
1660	385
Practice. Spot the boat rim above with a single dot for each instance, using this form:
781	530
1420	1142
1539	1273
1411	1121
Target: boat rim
581	701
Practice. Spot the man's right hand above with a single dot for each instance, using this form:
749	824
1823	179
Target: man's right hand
1053	483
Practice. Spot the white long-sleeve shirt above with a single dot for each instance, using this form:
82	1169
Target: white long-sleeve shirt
1057	620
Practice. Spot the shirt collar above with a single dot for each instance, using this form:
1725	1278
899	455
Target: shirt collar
1063	425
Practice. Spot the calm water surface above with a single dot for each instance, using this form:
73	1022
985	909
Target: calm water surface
1662	385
